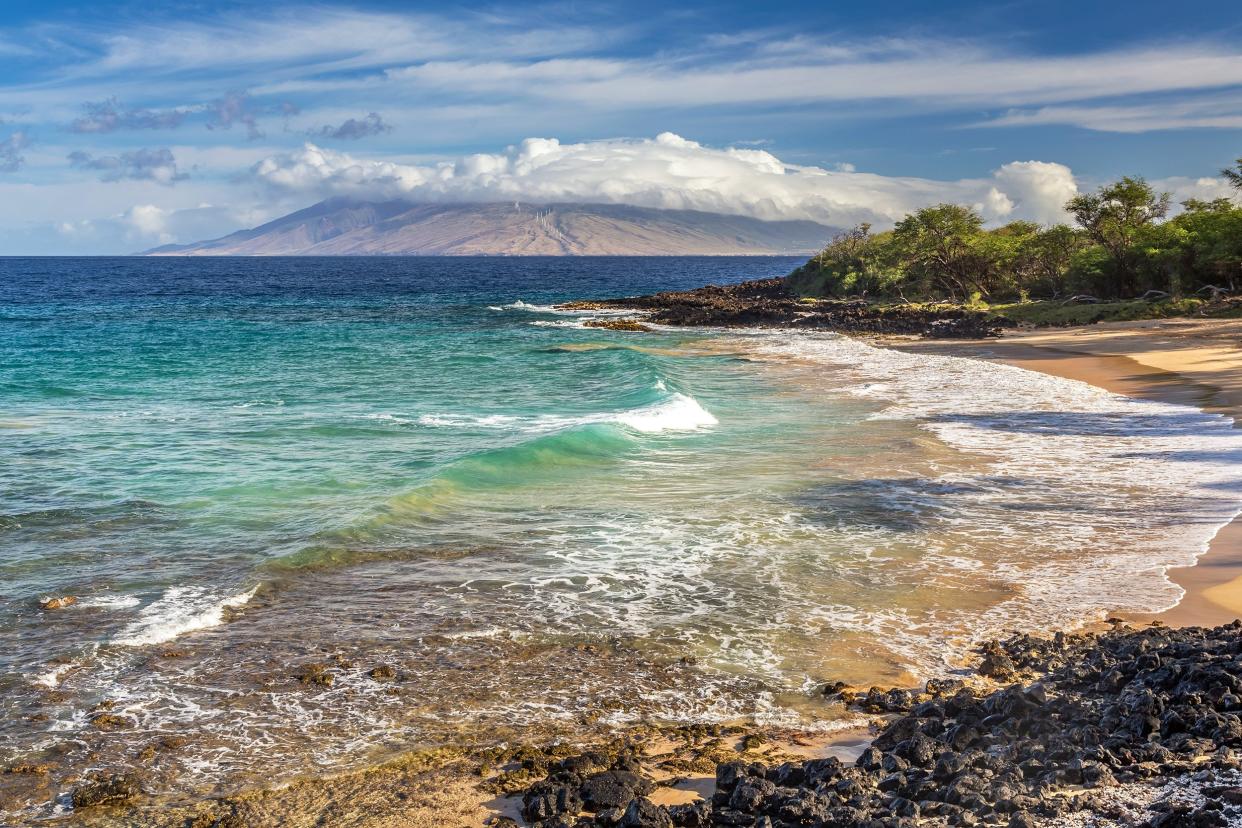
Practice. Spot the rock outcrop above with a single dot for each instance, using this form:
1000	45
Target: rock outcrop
1084	716
768	303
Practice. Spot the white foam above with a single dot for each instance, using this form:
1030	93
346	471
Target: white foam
585	313
676	412
1134	486
519	305
680	412
52	677
110	601
178	611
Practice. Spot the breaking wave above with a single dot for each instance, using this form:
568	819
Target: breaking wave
178	611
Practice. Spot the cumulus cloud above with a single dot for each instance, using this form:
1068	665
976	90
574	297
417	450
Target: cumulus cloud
148	220
11	158
1182	188
355	128
109	116
158	165
670	172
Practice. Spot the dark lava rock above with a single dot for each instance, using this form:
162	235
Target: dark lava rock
550	798
768	303
643	813
1112	707
105	789
613	789
691	815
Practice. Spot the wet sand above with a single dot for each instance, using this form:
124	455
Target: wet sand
1191	361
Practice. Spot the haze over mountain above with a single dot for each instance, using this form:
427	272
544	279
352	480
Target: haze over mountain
341	226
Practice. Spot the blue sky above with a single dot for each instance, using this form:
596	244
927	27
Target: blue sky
123	127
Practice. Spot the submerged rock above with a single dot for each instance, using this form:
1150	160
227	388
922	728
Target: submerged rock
383	672
105	789
631	325
315	673
57	603
111	721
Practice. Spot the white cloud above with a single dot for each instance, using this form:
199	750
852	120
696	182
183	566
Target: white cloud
669	172
1182	189
340	39
1037	189
1212	113
149	224
147	220
935	74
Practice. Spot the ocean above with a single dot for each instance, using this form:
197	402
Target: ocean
316	511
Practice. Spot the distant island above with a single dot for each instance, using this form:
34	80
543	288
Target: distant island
347	227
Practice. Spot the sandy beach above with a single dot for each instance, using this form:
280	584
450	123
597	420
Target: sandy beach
1192	361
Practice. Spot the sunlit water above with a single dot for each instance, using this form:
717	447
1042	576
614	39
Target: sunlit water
243	466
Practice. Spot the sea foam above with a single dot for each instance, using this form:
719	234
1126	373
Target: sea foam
674	412
680	412
1120	489
178	611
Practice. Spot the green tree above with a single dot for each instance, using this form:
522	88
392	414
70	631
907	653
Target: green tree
851	264
940	247
1113	218
1234	176
1044	260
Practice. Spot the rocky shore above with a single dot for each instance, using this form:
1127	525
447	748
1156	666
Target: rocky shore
769	303
1127	727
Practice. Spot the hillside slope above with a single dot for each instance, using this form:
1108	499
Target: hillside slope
353	228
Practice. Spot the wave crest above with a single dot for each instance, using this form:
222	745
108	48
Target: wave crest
178	611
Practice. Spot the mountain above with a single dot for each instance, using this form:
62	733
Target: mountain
340	226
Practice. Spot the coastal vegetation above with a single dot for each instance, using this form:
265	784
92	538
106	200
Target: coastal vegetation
1123	245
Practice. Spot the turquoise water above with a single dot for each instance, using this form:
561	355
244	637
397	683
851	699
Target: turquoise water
242	466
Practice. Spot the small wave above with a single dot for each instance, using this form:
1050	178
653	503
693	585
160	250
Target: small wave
519	305
466	420
557	323
679	412
178	611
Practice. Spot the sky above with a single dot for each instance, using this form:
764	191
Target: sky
123	127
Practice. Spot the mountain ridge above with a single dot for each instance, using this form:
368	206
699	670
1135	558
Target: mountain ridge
352	227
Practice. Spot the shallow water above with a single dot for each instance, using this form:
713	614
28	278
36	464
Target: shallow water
242	466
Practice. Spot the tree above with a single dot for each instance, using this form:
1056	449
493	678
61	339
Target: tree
840	269
1234	176
940	246
1113	217
1044	260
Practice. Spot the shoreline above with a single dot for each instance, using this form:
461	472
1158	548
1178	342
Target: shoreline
1185	361
1213	588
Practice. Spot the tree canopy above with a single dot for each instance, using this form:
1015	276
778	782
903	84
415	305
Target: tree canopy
1122	244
